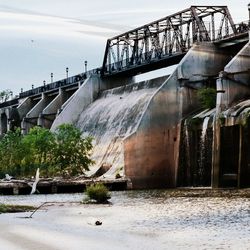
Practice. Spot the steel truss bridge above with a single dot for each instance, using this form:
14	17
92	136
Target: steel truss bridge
164	42
158	44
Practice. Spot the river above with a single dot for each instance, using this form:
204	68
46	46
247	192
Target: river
134	220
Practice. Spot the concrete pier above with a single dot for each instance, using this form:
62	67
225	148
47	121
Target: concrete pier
230	163
152	152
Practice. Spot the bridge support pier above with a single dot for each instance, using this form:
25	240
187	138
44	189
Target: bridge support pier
47	116
4	122
32	117
233	86
152	153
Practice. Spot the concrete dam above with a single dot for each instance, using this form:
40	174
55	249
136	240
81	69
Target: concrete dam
155	132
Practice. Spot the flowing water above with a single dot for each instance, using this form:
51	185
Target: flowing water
202	160
135	220
112	117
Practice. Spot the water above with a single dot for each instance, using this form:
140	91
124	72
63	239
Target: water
135	220
112	117
201	170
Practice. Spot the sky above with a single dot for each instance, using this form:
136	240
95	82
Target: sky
38	37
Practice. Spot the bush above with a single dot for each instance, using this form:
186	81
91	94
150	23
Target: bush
72	152
98	192
63	152
207	97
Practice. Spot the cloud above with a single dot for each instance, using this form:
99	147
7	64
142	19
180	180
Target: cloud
45	24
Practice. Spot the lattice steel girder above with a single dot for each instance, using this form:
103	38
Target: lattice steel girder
168	35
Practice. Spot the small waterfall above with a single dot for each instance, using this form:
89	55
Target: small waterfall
187	144
202	160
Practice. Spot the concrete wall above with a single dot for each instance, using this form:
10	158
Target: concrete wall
84	96
233	86
152	152
110	118
4	121
234	81
32	117
25	106
8	116
47	117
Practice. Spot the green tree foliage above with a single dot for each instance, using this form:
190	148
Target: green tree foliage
11	153
72	152
5	95
60	153
40	143
207	97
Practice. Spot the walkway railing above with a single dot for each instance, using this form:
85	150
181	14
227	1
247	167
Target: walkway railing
58	84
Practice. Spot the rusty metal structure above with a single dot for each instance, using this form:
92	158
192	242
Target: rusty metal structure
166	40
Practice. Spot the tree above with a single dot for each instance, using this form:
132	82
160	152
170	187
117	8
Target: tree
63	152
72	152
5	95
12	151
41	143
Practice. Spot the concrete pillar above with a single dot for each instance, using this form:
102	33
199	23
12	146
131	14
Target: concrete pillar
233	86
3	122
47	117
152	152
6	116
25	106
32	117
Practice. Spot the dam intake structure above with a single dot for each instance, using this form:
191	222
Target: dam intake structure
156	132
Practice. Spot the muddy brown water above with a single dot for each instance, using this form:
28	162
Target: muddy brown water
135	220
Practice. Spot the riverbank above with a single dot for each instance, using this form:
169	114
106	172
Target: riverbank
58	185
5	208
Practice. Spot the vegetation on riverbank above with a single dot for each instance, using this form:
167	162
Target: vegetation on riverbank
60	153
98	192
15	208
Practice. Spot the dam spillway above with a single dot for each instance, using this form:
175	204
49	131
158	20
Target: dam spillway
114	116
156	132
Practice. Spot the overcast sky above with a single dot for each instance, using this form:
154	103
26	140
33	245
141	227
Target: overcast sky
43	36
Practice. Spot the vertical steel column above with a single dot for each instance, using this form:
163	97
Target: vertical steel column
213	27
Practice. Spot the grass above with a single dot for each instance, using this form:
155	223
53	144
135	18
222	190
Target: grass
4	208
98	192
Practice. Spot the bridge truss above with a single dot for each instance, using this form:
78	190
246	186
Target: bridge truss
167	38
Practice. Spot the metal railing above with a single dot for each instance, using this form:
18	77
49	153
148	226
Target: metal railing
58	84
241	28
145	58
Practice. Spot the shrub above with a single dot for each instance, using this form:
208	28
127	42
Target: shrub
98	192
72	152
207	97
61	152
